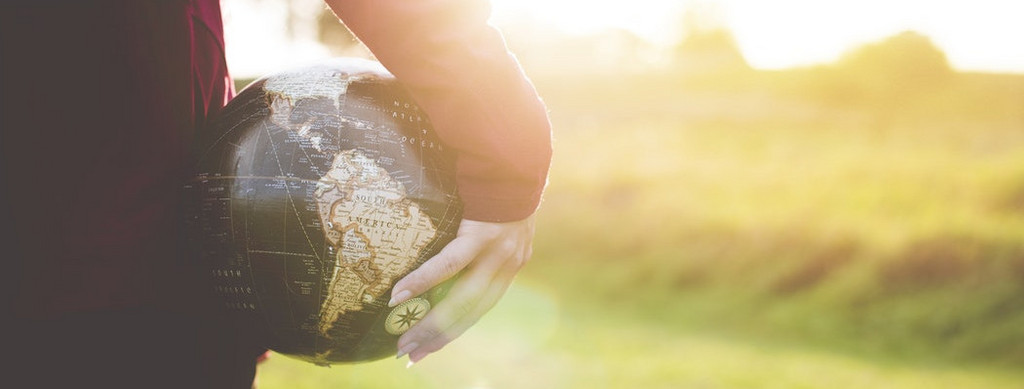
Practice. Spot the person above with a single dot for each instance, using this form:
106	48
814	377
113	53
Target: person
101	100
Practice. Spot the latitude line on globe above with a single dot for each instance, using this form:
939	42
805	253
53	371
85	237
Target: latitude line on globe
282	253
281	178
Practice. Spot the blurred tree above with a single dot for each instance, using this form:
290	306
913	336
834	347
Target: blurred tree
892	77
901	67
707	47
712	51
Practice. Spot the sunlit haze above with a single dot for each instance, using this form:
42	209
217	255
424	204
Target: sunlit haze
976	35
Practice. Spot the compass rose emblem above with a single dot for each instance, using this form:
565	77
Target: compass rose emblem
406	315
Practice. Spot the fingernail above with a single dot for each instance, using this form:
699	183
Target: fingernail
400	297
407	349
408	365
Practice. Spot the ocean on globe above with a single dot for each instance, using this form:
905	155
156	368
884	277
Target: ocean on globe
316	190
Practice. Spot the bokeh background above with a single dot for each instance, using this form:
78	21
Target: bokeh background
745	194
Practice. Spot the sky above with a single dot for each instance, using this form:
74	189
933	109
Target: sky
976	35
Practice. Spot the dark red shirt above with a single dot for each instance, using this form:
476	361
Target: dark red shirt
100	102
101	99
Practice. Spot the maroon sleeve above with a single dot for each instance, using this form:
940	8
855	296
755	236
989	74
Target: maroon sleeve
458	69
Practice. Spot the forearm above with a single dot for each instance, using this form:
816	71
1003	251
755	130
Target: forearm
459	71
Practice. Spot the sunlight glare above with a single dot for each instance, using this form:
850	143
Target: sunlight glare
975	35
654	20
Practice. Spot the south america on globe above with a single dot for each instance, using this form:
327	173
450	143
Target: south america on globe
316	190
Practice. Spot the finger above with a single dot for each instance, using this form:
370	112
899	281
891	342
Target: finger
490	298
445	325
450	261
461	300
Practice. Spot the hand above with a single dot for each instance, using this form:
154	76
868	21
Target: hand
489	255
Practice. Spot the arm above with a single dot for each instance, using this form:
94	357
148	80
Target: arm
459	71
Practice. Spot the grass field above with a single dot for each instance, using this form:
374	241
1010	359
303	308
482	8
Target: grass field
761	231
532	340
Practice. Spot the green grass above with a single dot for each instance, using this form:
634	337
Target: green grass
756	232
533	340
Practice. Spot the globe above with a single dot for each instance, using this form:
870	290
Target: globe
316	190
